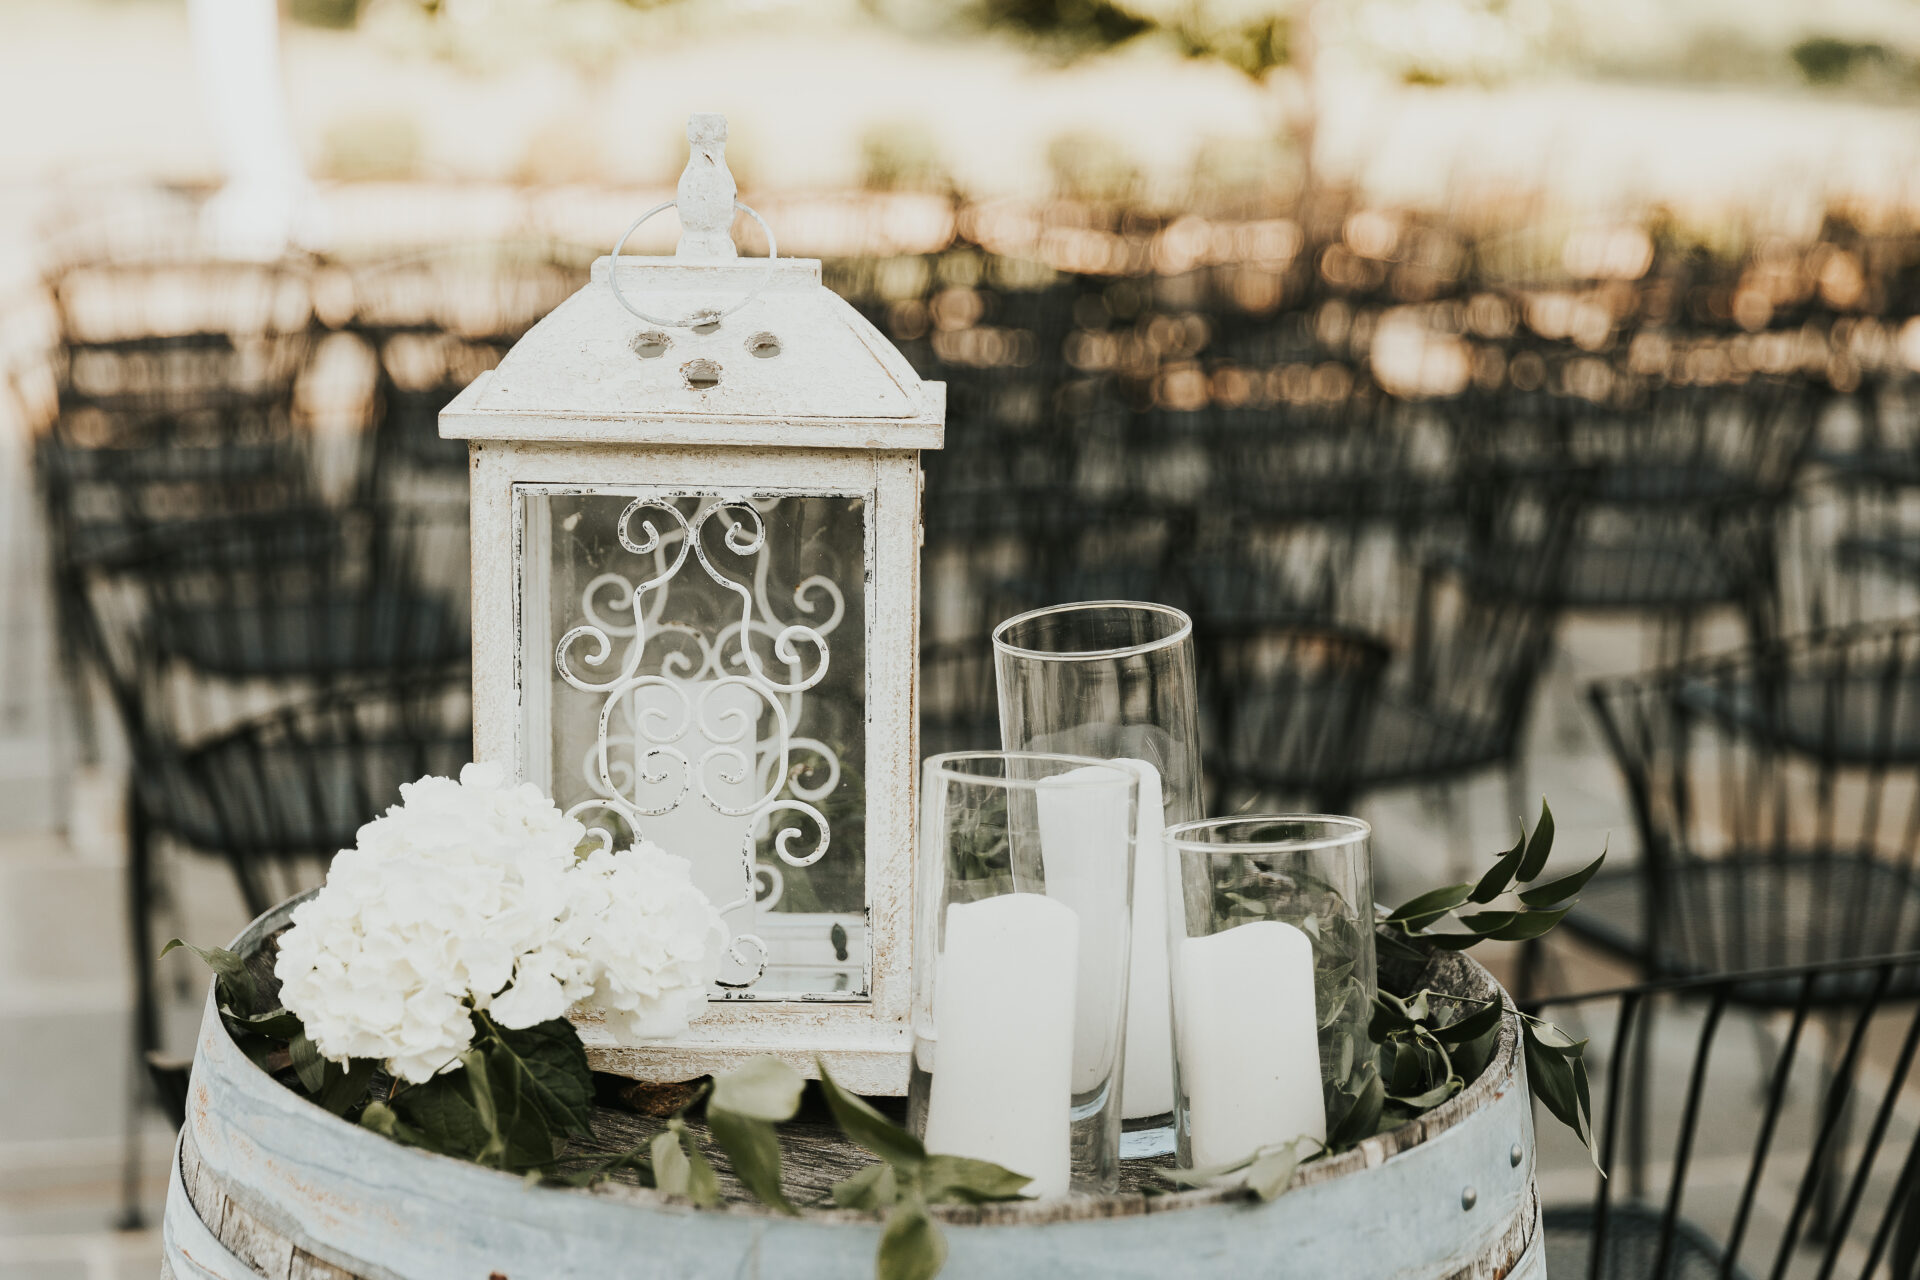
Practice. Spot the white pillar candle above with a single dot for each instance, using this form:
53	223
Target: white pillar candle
1147	1087
1003	997
1083	849
1249	1041
714	842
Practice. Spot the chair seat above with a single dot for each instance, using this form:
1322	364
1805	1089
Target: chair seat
1863	717
1406	741
1632	1245
1893	553
1666	572
328	634
290	799
1756	911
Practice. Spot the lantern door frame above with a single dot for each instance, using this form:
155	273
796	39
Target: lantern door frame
864	1042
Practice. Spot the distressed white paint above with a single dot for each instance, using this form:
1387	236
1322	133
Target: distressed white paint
354	1199
596	398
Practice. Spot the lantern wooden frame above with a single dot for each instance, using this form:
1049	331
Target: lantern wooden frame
574	408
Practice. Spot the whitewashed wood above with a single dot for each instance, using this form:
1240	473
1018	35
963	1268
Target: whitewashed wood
837	411
347	1198
575	376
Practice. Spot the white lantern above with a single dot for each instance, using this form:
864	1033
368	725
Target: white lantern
696	526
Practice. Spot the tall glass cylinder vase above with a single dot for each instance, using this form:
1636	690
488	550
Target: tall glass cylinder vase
1272	958
1115	680
1021	941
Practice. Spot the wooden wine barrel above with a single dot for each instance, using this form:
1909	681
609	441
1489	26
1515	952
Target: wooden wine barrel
267	1184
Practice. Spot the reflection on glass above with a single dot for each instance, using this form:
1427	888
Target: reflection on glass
694	672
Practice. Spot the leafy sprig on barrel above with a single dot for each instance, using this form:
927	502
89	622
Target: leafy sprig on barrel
516	1098
1431	1045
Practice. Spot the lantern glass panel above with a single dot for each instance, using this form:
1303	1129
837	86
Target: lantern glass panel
646	713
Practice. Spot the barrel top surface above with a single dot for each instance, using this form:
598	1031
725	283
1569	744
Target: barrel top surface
270	1157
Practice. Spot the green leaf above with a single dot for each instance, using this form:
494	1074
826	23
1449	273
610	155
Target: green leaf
1499	877
1272	1169
1418	913
874	1187
754	1150
703	1184
230	973
1472	1025
547	1065
274	1024
671	1171
1363	1120
1539	846
868	1128
1389	1015
346	1085
911	1246
602	1170
380	1118
307	1063
480	1093
442	1112
959	1180
1486	924
764	1089
1551	1074
1472	1057
268	1055
1555	892
681	1169
1528	925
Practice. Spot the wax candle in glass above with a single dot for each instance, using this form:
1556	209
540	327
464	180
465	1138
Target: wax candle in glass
1021	943
1115	680
1270	942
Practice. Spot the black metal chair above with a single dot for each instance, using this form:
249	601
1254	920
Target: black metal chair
286	791
1684	487
433	322
1289	705
1759	1175
959	698
1776	791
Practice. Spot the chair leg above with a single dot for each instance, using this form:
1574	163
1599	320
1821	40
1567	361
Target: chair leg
1838	1112
1526	970
146	1005
1518	788
1639	1115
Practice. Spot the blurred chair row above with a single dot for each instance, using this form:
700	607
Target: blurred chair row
259	548
1376	580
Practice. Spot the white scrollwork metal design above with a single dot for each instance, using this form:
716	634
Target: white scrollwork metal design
676	689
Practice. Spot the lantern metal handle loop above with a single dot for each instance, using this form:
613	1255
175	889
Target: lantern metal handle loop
699	317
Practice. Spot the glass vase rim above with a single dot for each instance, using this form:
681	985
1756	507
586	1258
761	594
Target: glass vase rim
1182	632
1350	830
938	766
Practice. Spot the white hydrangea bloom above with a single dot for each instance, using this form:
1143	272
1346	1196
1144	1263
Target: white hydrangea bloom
467	896
655	941
455	896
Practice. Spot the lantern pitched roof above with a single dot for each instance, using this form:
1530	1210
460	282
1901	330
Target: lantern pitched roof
795	366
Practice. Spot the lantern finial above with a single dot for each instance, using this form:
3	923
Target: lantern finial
706	191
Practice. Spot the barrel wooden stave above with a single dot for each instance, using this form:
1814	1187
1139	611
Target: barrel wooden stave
284	1190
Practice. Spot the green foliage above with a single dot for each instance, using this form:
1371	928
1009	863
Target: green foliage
1268	1171
518	1096
274	1039
906	1182
1429	1046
